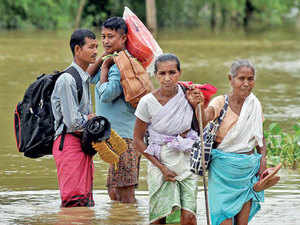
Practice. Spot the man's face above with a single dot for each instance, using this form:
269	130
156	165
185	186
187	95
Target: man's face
112	40
88	52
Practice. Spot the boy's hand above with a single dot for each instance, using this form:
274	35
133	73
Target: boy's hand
108	62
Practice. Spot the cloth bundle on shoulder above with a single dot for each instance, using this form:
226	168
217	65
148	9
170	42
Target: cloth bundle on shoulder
97	129
134	79
209	135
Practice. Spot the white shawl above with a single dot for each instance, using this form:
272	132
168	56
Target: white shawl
248	131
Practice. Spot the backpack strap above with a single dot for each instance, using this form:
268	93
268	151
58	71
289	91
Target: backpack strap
75	74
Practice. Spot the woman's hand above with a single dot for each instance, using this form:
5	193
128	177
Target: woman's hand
195	96
168	174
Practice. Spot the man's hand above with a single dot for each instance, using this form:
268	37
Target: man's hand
92	115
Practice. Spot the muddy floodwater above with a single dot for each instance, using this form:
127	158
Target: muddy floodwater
28	187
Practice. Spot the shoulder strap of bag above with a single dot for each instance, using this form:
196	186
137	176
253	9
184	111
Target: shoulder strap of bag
75	74
223	111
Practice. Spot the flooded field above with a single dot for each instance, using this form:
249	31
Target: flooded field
28	187
281	206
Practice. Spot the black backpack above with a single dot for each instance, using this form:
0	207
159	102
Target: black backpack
34	120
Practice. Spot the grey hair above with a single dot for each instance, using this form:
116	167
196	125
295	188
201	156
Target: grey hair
241	63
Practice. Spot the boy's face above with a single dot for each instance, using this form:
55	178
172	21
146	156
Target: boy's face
112	40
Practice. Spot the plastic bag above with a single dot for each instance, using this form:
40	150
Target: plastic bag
140	42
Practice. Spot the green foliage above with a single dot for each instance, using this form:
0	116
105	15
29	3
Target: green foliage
171	13
283	147
117	7
56	14
95	12
272	11
42	14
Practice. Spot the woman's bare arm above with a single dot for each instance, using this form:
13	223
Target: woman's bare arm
139	145
263	151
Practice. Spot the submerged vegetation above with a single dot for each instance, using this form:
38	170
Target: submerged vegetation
282	146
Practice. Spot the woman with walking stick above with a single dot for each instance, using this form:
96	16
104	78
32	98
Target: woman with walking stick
236	171
167	115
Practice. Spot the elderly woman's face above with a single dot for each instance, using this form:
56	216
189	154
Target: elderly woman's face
167	74
243	82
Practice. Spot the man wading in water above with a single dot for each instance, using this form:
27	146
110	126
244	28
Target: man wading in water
75	169
110	103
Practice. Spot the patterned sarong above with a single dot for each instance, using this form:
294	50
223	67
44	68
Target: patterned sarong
230	185
75	172
127	173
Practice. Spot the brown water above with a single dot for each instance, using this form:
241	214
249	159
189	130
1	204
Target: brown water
28	188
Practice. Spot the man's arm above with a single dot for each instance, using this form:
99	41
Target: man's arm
109	87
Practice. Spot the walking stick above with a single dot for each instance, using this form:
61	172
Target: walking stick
203	163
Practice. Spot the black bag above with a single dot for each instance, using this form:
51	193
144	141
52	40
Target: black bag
34	120
209	135
96	129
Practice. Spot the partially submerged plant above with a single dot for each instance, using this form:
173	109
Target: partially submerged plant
283	147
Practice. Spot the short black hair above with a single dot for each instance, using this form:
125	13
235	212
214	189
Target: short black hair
166	57
78	38
116	23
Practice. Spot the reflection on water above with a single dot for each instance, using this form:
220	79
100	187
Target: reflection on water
28	188
281	206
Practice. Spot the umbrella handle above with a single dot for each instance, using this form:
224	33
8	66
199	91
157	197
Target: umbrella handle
203	162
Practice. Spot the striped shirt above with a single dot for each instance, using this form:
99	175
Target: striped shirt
64	101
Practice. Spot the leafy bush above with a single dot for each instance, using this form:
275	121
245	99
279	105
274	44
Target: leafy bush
42	14
283	147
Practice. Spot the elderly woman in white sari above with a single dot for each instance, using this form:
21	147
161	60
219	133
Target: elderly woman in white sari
234	189
167	114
